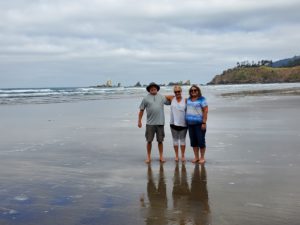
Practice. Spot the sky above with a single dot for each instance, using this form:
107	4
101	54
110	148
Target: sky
79	43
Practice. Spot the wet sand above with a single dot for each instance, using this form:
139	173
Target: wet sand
83	163
284	91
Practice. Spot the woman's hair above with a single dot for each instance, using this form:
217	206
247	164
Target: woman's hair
195	87
177	87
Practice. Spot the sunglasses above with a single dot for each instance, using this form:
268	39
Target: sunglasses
193	90
177	92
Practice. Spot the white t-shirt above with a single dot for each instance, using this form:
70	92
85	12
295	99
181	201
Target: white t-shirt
177	116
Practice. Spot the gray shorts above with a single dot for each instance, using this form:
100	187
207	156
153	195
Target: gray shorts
151	130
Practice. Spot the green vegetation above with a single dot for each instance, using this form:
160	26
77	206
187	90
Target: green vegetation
261	74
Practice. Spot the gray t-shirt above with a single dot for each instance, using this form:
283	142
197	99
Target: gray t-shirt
154	105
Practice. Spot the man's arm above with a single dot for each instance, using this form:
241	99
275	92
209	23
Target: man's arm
141	113
169	99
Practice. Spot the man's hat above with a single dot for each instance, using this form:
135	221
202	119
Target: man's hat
152	84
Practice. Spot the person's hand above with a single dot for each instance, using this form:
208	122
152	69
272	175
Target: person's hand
203	126
139	124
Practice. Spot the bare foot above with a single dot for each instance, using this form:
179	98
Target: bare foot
162	160
176	159
147	161
195	160
182	159
201	161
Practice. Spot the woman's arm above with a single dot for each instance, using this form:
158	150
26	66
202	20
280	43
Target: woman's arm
204	118
204	113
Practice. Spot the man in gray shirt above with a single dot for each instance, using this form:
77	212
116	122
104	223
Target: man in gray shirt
154	105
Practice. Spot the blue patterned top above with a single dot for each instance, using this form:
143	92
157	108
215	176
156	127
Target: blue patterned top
194	113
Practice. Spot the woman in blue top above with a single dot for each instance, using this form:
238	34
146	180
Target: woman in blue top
196	117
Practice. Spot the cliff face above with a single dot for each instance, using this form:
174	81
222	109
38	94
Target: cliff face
262	74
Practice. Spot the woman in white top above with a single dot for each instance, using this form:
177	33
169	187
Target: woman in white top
177	122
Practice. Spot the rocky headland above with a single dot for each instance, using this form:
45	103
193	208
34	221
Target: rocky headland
261	74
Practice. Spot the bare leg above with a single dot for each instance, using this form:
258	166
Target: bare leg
182	148
161	150
176	152
202	159
149	146
196	153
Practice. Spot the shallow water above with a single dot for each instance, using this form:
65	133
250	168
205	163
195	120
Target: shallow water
82	163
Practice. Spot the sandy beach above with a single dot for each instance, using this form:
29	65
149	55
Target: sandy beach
83	163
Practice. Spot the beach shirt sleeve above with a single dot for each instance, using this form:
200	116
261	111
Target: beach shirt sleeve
203	102
143	104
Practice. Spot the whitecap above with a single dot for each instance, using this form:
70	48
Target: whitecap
5	211
76	196
21	197
254	204
12	212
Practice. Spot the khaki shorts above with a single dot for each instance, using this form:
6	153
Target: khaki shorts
151	130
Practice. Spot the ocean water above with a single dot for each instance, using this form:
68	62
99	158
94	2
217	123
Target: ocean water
62	94
10	96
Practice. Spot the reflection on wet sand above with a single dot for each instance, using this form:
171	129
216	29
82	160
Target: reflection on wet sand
199	196
190	202
157	195
181	194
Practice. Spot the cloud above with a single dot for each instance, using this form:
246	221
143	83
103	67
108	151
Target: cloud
143	37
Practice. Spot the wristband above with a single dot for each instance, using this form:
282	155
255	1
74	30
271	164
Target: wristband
203	123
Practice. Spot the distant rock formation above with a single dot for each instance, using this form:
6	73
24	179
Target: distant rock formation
107	85
181	83
138	84
188	82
